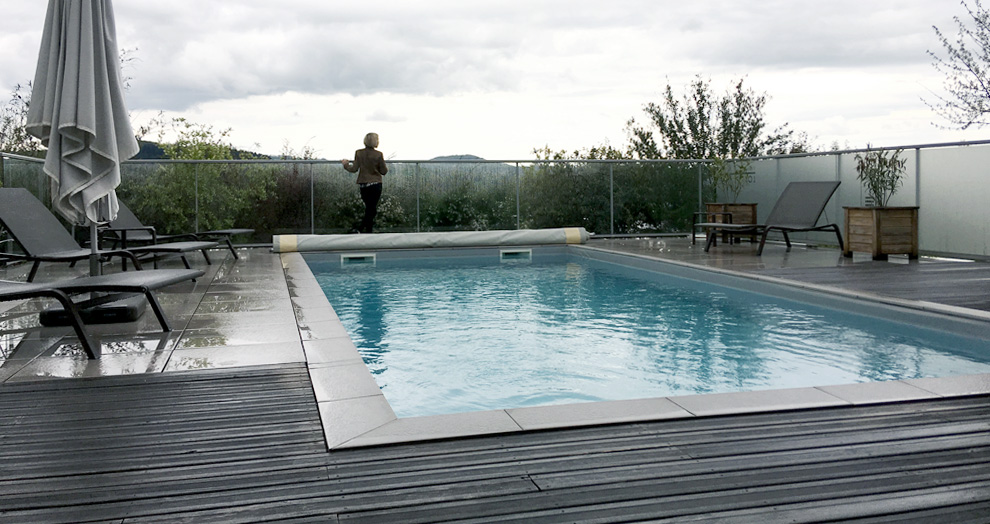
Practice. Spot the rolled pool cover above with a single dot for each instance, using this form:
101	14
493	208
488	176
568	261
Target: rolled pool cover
301	243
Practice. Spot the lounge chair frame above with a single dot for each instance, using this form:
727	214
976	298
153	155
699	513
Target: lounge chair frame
127	227
44	239
798	209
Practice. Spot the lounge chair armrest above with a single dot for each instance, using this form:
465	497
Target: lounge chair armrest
142	228
124	230
188	236
121	233
155	237
122	253
7	257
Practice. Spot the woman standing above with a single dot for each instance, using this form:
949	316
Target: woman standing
369	164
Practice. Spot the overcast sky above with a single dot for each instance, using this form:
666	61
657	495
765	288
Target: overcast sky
498	78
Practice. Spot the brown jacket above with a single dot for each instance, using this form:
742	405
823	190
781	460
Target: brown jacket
369	164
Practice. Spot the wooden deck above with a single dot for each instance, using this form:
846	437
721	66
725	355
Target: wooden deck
952	283
246	445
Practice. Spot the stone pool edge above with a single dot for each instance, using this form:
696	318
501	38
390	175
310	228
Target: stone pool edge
354	413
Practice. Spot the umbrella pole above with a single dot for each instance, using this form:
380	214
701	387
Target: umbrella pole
94	257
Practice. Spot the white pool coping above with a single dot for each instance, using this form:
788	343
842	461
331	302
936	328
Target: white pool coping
355	413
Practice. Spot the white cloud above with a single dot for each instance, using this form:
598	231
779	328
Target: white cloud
384	116
498	78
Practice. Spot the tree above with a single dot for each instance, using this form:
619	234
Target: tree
647	198
605	151
702	125
965	66
210	195
193	141
14	137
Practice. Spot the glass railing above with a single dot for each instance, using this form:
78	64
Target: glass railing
611	197
320	197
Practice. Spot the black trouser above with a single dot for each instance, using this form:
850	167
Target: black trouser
371	194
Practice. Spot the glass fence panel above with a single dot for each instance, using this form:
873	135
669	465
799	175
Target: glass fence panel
338	207
23	174
763	187
280	202
336	201
573	194
162	195
27	174
456	196
231	195
398	211
771	176
653	197
955	188
634	197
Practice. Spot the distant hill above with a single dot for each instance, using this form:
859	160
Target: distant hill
149	151
153	151
466	158
471	166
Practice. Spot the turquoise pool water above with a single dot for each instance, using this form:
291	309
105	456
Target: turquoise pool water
469	334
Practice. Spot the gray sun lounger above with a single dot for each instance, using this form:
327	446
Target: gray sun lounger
117	285
797	209
44	239
127	229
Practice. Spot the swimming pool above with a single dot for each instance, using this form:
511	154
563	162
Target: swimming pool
563	328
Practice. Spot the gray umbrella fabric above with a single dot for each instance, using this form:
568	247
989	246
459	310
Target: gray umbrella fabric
77	110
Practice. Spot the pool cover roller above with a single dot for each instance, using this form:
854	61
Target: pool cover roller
301	243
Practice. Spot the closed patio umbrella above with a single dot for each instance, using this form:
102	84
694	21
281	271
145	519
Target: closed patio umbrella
77	110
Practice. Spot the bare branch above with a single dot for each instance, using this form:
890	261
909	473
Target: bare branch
965	65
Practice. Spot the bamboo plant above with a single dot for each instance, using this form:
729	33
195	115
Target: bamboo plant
881	173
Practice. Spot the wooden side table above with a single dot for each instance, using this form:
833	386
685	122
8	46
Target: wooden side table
738	214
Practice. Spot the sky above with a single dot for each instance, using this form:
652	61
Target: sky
500	78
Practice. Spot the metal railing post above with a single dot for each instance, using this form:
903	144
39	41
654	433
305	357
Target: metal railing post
196	197
518	206
417	198
917	177
312	201
611	199
835	202
701	188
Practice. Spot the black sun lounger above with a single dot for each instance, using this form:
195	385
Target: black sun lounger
128	229
115	285
797	209
44	239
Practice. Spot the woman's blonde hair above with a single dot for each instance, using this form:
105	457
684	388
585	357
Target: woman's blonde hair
371	140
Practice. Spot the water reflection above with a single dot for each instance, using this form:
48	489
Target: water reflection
369	332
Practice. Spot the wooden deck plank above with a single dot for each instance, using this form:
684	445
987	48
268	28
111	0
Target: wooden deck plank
164	475
626	437
953	504
249	447
636	503
950	283
152	487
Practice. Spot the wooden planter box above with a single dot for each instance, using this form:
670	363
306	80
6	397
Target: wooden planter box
741	214
882	231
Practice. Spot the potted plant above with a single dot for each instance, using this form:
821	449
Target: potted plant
729	176
877	227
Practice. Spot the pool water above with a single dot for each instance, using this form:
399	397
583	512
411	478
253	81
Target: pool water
450	336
